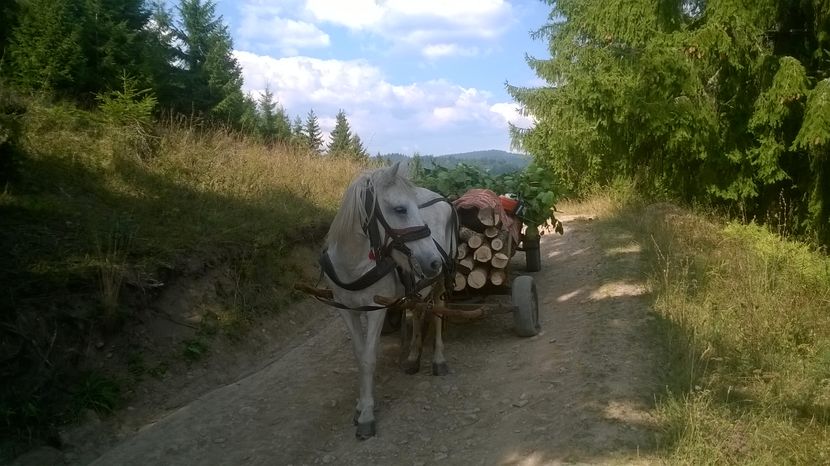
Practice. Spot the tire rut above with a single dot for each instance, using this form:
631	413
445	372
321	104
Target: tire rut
582	390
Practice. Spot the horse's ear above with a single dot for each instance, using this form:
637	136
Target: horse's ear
399	169
395	170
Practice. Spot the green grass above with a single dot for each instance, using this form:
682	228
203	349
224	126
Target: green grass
744	316
97	218
746	320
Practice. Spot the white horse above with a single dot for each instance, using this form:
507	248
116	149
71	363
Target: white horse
388	239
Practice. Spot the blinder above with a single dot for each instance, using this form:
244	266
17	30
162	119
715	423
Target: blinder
399	236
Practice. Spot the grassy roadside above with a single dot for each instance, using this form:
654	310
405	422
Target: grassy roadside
746	320
98	220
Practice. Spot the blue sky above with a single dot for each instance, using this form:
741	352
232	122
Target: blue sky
421	76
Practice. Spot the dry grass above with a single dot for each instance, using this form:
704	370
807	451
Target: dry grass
101	216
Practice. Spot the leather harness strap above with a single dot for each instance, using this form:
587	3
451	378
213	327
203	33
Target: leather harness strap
382	251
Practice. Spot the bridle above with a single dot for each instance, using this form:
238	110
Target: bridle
382	245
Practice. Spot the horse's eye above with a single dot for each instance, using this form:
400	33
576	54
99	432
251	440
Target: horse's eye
400	210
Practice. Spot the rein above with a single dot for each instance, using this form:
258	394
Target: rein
382	248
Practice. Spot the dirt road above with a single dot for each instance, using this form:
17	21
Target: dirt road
579	392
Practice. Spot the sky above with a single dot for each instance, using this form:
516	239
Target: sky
423	76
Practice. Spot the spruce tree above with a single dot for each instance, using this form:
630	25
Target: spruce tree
212	78
45	47
357	149
705	101
274	124
298	136
340	142
9	13
267	128
313	135
114	41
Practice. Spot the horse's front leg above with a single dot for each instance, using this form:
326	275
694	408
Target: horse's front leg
352	320
366	426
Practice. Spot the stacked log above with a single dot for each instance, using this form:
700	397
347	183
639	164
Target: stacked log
483	252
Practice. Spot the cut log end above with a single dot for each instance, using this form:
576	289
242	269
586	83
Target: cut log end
460	281
475	241
499	260
477	277
483	254
498	277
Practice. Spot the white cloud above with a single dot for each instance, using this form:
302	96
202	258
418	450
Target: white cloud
387	116
511	113
436	28
445	50
354	14
264	25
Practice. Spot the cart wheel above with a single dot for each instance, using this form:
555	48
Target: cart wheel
392	321
533	254
526	301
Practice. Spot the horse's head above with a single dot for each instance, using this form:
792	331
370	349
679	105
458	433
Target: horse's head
396	209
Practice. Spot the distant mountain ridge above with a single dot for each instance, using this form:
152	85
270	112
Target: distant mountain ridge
494	161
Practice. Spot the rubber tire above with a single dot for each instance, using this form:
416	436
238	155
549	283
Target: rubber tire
526	301
533	255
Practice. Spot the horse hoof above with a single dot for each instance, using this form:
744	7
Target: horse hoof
365	430
440	368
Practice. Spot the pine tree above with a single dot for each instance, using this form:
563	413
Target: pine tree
706	101
212	78
45	47
114	41
313	135
340	142
267	127
9	13
283	124
249	123
159	56
357	149
298	137
274	124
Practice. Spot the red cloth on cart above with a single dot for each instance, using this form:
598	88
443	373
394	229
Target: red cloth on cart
483	198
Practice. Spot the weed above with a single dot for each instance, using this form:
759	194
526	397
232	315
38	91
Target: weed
194	349
98	392
159	371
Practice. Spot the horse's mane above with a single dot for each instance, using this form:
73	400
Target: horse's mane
349	219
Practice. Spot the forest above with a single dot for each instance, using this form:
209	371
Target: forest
722	103
144	62
131	157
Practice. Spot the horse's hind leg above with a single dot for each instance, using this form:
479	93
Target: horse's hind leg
412	363
368	362
439	363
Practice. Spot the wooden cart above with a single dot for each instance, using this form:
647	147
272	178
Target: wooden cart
489	236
